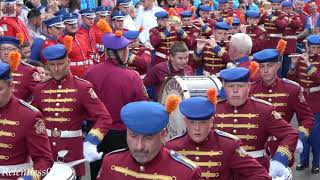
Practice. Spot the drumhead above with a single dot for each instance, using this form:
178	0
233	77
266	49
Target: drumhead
60	171
185	87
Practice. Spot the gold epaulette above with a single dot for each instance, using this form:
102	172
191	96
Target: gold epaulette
225	134
183	160
261	101
28	105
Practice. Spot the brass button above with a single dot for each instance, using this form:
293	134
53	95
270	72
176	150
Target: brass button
142	169
56	114
235	120
270	100
58	95
59	87
308	78
197	148
54	143
234	131
270	90
235	111
197	158
57	104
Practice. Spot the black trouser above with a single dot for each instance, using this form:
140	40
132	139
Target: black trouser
112	141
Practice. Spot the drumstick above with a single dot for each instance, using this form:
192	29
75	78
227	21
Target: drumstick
76	162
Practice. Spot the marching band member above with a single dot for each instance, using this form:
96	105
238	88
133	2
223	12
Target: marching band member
285	95
65	101
102	12
146	157
125	7
204	22
219	154
177	65
123	86
304	69
117	19
253	120
25	149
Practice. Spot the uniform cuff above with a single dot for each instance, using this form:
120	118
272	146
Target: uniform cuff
182	34
283	155
166	33
198	54
204	27
303	132
94	136
311	69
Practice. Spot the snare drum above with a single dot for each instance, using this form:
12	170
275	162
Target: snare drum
61	171
185	87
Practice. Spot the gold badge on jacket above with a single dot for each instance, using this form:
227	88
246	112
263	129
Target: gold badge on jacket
242	152
92	93
276	115
40	127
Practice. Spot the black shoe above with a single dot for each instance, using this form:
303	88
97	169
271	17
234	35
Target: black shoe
315	170
301	167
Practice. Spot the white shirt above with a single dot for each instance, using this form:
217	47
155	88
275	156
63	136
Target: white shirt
128	23
147	20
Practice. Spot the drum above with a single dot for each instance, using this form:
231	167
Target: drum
185	87
61	171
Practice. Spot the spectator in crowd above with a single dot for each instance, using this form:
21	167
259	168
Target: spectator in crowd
51	8
38	6
34	23
25	50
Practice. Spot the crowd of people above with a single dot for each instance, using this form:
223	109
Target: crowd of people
80	81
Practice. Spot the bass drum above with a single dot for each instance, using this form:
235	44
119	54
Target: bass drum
185	87
61	171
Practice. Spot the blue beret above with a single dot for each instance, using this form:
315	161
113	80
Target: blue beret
54	21
223	1
88	12
124	3
276	1
9	40
266	55
144	117
54	52
4	71
62	12
118	15
205	8
252	14
222	25
197	108
185	14
313	40
286	4
70	18
131	35
162	14
235	21
117	42
238	74
103	10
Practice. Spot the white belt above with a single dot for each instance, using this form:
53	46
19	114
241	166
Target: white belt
290	37
191	52
159	54
64	134
257	154
81	63
275	35
16	168
313	89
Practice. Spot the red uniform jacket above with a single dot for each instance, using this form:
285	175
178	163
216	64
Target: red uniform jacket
258	36
167	164
23	137
116	86
90	37
156	76
205	31
79	60
23	80
13	25
98	36
219	156
140	59
290	32
308	81
253	122
64	105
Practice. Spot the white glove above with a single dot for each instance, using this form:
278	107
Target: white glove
90	152
299	148
277	170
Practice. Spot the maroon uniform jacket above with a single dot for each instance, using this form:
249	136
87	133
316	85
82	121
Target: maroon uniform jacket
156	76
258	36
253	122
12	26
23	137
64	105
23	80
219	156
287	98
290	32
140	59
167	164
309	80
116	86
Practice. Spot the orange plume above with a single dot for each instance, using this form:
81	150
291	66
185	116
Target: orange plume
210	3
171	12
282	44
242	19
229	21
193	9
68	43
172	103
14	60
253	67
212	95
20	37
141	29
118	33
104	26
